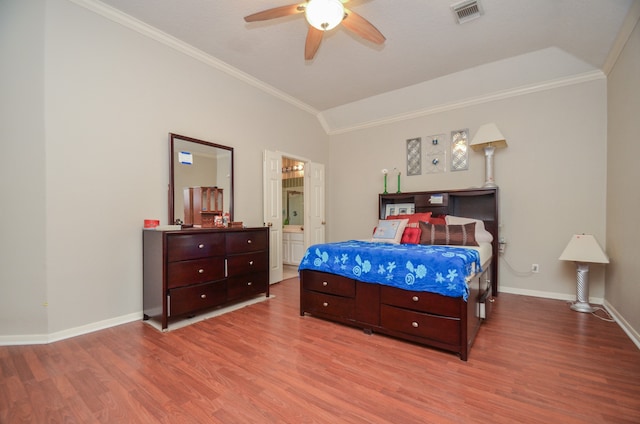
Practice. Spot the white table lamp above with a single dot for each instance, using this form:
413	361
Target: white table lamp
488	138
583	249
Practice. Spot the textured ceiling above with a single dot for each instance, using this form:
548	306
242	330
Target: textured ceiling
424	41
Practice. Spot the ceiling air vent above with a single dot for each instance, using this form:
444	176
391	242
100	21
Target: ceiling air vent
467	10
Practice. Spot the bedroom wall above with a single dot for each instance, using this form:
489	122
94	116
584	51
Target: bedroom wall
552	178
108	97
623	200
22	168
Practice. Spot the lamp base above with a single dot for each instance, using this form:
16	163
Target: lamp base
582	307
490	184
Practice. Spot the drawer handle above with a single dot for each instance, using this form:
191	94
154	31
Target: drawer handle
249	283
324	283
325	304
200	271
491	300
249	241
415	298
414	324
203	296
250	262
201	246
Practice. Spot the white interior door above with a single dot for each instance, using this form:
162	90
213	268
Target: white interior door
314	186
272	195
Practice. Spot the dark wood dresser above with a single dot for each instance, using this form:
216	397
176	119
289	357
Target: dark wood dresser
192	270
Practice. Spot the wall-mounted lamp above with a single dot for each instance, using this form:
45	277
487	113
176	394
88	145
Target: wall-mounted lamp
583	249
488	138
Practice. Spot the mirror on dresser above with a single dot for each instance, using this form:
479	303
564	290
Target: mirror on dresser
200	178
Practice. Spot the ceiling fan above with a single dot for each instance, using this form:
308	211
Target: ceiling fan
322	15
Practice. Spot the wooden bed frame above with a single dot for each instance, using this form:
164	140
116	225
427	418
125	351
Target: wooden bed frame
426	318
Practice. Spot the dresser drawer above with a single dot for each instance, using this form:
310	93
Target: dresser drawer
336	306
192	298
328	283
182	247
185	273
247	285
442	329
420	301
247	263
247	241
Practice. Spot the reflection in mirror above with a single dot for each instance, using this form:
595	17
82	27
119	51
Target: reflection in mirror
292	192
200	182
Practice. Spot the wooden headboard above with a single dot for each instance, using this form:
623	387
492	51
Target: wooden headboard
478	203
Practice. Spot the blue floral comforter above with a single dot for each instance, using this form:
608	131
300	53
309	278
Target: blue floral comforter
437	269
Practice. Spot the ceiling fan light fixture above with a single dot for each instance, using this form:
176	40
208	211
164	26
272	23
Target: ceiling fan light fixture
324	14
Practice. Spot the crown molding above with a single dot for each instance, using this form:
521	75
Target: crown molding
130	22
629	24
499	95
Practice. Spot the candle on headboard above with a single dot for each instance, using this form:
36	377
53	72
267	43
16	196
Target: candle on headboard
385	172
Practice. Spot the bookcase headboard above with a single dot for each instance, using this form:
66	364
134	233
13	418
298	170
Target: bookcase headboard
477	203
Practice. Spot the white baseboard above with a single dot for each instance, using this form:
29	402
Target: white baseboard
548	295
29	339
626	327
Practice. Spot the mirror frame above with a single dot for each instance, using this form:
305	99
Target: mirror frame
172	138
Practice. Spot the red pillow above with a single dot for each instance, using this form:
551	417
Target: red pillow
438	220
413	218
411	235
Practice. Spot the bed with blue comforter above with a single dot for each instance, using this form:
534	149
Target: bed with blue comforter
437	269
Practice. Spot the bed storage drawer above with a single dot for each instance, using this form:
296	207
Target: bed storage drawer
327	304
420	301
419	324
188	299
328	283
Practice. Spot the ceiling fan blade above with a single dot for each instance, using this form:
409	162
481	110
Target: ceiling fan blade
359	25
276	12
314	37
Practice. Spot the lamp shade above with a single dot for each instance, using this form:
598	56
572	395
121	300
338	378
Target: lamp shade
488	135
324	14
584	248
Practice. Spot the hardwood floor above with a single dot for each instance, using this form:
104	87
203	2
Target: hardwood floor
535	361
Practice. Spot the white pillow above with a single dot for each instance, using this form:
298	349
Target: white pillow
482	235
389	230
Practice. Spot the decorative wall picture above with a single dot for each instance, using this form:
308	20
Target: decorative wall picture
436	147
414	156
460	150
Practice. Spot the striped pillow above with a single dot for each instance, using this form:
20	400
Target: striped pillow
454	235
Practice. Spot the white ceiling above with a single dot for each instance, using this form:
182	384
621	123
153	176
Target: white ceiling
423	40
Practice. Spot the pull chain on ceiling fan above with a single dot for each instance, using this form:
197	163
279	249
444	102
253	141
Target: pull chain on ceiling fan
322	15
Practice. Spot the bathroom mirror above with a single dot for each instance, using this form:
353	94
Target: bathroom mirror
197	164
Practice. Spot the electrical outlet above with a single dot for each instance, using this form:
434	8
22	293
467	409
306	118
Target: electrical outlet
535	268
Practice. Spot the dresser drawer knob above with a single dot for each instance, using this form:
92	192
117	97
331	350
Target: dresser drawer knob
325	304
250	262
415	298
249	241
249	283
201	246
324	283
200	271
203	296
414	324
